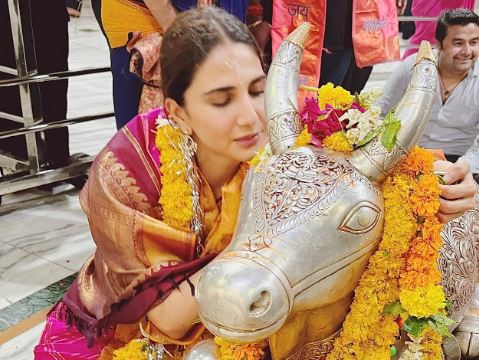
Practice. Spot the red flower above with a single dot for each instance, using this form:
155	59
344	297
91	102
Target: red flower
356	106
320	123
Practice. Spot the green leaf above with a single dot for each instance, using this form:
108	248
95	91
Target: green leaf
390	116
394	308
437	322
357	99
371	135
443	319
415	326
391	126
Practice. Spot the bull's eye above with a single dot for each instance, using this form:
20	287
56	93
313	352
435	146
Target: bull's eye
361	219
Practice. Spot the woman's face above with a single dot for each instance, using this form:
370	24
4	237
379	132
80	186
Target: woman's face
224	105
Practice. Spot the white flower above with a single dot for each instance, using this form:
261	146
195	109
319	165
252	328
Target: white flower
353	135
360	124
352	115
369	96
267	153
375	110
160	122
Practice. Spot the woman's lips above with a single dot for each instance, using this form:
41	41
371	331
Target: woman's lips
248	140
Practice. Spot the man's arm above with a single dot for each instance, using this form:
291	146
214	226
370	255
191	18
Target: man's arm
163	11
395	86
472	156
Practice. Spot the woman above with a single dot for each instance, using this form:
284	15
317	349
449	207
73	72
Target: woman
120	19
213	83
147	189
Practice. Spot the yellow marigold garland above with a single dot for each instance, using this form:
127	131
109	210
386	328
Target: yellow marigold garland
338	142
176	193
337	97
304	137
134	350
411	232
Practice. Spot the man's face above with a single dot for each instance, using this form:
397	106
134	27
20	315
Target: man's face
460	48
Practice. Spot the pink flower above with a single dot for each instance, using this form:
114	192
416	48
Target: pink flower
356	106
321	123
310	112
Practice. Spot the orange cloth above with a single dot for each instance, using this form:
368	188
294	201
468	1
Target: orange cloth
287	17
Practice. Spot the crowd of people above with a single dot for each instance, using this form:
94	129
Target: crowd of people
203	71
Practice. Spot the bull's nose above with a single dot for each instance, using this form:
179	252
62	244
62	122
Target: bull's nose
240	299
261	305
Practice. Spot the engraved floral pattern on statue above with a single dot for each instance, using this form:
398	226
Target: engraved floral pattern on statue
459	261
294	188
379	156
427	78
288	54
284	125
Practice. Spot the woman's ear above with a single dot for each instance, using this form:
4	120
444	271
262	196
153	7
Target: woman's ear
178	115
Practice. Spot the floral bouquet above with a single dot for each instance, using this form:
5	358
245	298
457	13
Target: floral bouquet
339	121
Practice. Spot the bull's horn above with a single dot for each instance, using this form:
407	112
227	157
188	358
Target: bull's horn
281	99
413	110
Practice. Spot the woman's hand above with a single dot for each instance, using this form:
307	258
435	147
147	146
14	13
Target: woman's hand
163	12
177	314
458	193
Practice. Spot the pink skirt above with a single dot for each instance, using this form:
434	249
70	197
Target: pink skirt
60	342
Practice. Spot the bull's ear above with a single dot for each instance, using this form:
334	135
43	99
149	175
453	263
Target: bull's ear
413	111
281	99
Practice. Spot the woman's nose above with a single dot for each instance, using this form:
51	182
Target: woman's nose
248	114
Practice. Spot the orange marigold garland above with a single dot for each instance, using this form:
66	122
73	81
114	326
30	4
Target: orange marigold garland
402	279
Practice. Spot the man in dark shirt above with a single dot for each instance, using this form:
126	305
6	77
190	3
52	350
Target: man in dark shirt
338	42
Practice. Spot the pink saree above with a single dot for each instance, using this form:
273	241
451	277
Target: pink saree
426	30
139	259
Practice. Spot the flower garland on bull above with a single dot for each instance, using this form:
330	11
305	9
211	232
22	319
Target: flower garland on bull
400	292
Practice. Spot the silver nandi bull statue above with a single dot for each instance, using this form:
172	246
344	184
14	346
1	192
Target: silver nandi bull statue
309	221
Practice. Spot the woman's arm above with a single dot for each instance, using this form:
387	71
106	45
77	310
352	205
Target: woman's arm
177	314
163	11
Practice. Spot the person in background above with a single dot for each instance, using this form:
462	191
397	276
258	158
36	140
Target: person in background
454	124
260	27
407	28
338	65
425	30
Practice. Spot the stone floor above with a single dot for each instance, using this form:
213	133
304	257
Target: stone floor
44	234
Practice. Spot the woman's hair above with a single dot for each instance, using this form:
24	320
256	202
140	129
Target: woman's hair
454	17
189	40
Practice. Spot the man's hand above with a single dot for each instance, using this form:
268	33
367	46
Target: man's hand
458	193
401	6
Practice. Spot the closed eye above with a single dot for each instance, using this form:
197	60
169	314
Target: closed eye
256	93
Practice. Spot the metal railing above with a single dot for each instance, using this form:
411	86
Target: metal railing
33	171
